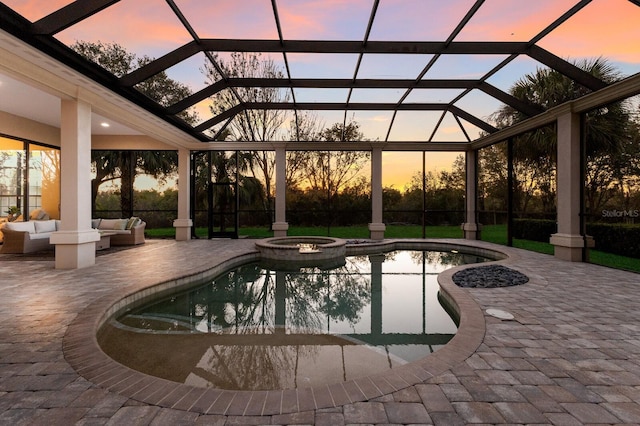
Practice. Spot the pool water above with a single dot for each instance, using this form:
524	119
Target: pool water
257	328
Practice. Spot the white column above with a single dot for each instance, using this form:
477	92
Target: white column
280	226
75	240
568	241
471	227
376	227
184	223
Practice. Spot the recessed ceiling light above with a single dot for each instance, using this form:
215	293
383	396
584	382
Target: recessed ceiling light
105	124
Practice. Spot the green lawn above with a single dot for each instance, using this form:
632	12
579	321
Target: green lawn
491	233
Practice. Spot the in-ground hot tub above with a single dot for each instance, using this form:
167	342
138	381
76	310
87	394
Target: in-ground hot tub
302	249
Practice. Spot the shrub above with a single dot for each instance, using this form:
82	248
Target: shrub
621	239
534	229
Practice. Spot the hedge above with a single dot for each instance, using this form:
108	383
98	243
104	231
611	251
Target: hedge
534	229
621	239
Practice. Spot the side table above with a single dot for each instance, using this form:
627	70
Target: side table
105	240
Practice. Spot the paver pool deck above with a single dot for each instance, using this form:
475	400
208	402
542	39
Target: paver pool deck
571	355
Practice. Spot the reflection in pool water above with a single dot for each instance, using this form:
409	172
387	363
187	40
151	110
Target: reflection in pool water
256	328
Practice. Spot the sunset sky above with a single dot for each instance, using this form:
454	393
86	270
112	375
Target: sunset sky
608	28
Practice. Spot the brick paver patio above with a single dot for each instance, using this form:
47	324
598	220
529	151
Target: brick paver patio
570	355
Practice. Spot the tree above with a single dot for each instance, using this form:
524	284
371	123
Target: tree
535	152
547	88
440	194
221	169
260	125
306	127
125	165
115	59
492	178
331	171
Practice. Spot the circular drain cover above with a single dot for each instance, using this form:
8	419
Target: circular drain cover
498	313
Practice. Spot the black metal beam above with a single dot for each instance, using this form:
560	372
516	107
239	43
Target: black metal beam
40	35
320	83
562	19
524	107
338	106
69	15
472	119
318	106
21	28
345	46
160	64
320	46
564	67
226	115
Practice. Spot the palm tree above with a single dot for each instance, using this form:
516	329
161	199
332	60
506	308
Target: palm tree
125	165
547	88
606	128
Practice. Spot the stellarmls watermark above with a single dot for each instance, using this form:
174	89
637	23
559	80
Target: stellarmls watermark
621	213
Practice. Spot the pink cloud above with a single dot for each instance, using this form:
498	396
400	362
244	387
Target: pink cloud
423	20
141	28
609	29
246	19
324	19
35	9
507	20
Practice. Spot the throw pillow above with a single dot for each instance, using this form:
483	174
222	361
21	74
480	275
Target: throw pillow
21	226
120	224
45	226
132	222
107	224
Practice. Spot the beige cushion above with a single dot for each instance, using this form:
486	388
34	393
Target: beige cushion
45	226
21	226
41	236
111	224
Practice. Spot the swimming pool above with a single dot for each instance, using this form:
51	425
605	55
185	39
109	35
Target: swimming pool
254	327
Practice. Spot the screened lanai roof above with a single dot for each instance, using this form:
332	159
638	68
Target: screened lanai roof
407	71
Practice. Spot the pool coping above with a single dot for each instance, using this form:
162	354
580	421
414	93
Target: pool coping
83	353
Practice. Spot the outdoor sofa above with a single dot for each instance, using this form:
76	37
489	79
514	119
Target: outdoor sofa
32	236
124	232
28	237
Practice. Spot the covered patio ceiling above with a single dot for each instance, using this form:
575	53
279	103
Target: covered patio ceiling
418	73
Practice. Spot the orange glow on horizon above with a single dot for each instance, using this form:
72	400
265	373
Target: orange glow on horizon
399	167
